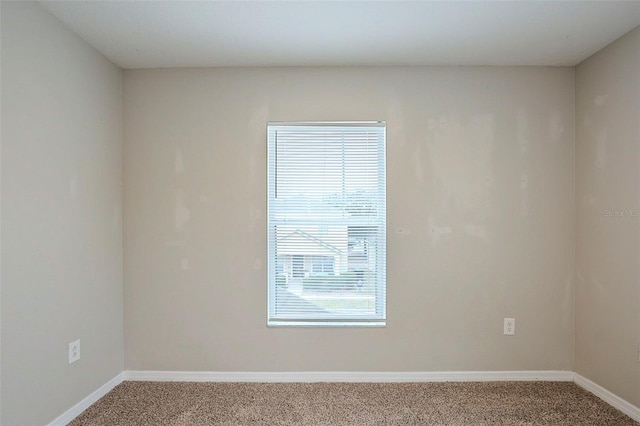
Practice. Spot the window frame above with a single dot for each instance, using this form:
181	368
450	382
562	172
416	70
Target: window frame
380	317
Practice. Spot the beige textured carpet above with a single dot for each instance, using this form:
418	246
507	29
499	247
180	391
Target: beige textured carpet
498	403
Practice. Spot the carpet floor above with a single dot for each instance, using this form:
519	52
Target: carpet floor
493	403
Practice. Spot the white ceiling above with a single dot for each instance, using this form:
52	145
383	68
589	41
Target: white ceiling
158	34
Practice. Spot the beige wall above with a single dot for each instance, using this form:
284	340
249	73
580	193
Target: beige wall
480	217
61	216
608	222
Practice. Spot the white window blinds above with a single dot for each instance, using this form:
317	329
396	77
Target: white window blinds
326	224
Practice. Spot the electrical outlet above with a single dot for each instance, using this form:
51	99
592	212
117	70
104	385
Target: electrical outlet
509	326
74	351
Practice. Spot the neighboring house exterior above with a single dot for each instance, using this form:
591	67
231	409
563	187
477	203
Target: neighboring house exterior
314	238
303	254
334	250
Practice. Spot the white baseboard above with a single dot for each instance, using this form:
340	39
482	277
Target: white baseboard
77	409
608	397
340	376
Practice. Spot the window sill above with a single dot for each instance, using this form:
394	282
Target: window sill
342	324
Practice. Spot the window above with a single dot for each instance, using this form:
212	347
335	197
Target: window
323	264
326	224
